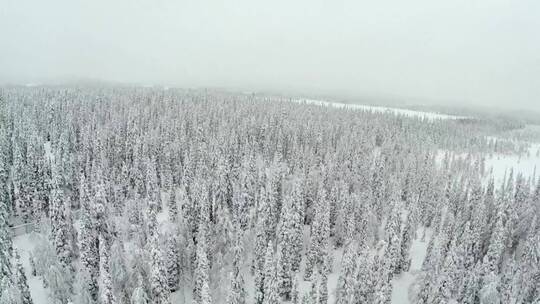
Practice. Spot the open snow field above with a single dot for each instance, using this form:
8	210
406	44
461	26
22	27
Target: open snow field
380	109
528	165
24	244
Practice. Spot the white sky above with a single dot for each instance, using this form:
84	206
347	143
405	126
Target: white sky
480	52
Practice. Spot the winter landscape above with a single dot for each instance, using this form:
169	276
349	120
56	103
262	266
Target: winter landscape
269	152
138	195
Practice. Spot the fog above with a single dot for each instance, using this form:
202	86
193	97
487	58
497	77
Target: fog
471	52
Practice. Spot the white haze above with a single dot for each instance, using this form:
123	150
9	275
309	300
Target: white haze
475	52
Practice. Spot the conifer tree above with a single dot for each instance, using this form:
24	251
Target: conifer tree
160	291
119	272
172	260
89	243
365	277
139	296
283	273
347	278
173	207
257	266
5	243
105	281
237	293
201	292
319	237
492	259
271	295
61	227
295	292
82	294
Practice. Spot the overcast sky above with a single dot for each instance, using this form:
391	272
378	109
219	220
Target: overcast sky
479	52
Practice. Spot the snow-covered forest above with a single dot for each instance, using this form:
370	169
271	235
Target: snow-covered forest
146	195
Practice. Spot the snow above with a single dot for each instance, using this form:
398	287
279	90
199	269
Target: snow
380	109
524	164
402	282
24	244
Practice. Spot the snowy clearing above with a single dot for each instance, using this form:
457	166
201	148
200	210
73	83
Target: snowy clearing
381	109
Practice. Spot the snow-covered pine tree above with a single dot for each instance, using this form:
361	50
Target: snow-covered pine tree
259	252
105	282
160	292
382	293
365	276
152	222
470	293
284	279
5	242
88	240
295	292
392	255
172	207
257	266
201	291
139	296
270	290
289	242
490	294
320	232
497	245
322	287
82	294
61	226
347	278
295	224
172	260
237	292
152	188
406	242
119	271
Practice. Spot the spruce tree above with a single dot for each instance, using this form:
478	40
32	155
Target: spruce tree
172	260
320	232
139	296
271	293
160	291
237	293
295	292
118	269
364	277
172	207
5	243
61	223
284	273
201	292
105	281
88	239
347	279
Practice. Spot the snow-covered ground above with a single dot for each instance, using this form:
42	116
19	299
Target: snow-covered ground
24	244
380	109
402	282
528	165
